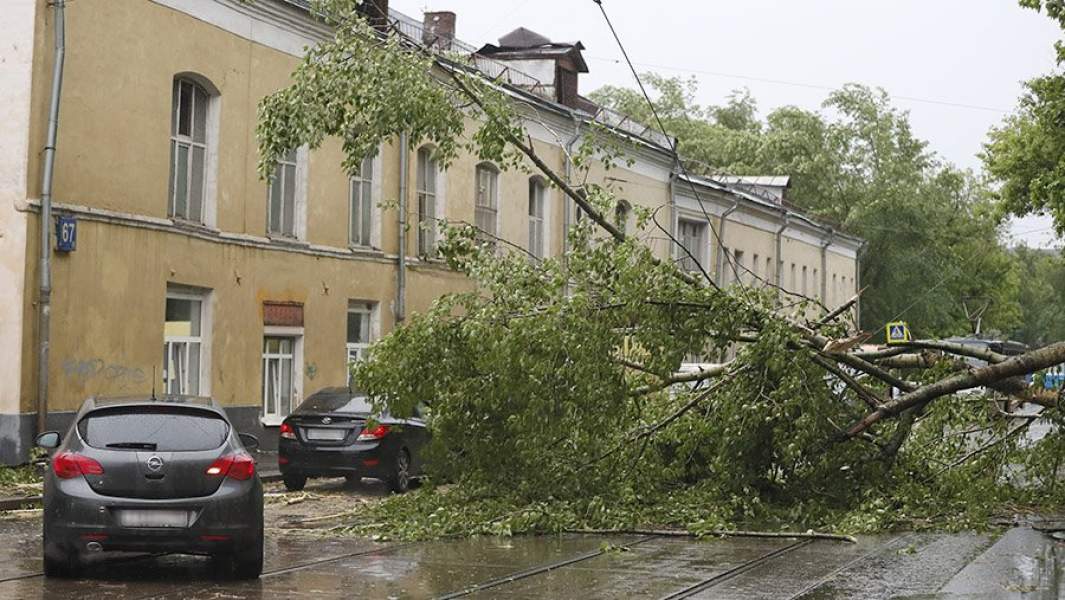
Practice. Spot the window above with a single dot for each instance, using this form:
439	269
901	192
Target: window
755	265
536	217
805	286
486	210
360	332
426	189
360	225
279	376
835	290
768	270
281	210
160	428
188	151
183	344
816	291
794	282
692	236
738	268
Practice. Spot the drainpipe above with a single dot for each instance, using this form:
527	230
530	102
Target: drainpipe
721	249
780	249
44	301
858	282
401	260
566	217
824	264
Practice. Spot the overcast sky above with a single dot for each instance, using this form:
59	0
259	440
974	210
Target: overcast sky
955	65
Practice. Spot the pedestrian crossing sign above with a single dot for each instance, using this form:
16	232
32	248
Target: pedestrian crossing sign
898	333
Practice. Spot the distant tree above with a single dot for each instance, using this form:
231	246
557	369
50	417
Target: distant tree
932	235
1026	153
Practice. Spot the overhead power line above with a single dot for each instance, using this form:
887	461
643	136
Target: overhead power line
813	86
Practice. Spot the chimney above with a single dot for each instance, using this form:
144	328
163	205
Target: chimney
438	30
376	12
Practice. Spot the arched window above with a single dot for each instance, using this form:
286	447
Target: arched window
190	151
486	210
425	182
537	193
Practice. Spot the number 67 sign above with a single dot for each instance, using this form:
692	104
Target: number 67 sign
66	233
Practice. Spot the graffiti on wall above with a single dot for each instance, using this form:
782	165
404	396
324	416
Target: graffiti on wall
110	376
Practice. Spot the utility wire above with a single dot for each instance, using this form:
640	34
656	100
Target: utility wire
813	86
722	250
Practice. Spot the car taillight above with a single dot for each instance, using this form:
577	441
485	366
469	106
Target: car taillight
67	465
287	432
375	433
235	466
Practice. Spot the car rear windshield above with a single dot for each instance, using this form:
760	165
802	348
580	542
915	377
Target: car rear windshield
154	428
338	403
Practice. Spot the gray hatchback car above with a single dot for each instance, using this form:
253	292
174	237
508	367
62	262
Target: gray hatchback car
166	474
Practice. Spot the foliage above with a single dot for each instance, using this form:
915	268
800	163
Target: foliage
548	388
1026	153
1041	296
927	225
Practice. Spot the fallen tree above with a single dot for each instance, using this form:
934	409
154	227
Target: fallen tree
554	389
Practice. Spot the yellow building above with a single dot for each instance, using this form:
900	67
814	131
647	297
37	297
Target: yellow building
192	275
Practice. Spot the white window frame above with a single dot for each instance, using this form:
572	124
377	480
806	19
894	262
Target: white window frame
357	350
426	238
374	241
209	146
204	339
486	202
538	224
299	197
296	333
699	240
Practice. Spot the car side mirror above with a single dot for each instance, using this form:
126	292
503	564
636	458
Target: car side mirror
49	440
250	441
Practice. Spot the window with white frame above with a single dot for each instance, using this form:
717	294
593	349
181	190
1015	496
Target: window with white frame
280	374
360	332
486	209
281	208
425	185
737	267
692	236
188	151
537	193
184	347
360	226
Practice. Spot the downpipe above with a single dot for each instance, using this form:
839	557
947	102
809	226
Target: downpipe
824	265
44	300
780	249
567	218
722	250
401	260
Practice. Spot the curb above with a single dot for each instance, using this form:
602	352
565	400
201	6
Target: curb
19	502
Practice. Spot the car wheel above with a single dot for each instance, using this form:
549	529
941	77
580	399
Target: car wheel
249	564
294	482
59	561
400	479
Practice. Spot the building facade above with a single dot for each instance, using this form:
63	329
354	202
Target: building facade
192	275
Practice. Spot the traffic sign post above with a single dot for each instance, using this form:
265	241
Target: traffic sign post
897	332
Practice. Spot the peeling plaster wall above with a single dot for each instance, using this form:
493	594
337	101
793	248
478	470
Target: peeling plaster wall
16	78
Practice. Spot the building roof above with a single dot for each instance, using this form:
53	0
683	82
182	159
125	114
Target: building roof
782	181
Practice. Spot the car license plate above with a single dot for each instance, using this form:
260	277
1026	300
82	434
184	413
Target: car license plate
333	435
129	517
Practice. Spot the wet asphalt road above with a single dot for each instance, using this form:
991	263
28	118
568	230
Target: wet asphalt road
1021	564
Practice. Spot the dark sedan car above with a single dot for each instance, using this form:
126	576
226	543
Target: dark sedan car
167	474
335	432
